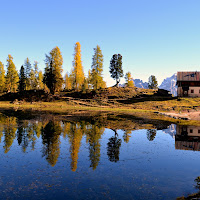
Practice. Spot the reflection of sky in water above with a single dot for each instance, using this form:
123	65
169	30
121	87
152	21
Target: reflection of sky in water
144	169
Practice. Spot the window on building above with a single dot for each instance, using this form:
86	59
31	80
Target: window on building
191	131
192	91
199	91
199	131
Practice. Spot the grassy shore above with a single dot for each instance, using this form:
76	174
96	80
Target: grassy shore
144	110
144	103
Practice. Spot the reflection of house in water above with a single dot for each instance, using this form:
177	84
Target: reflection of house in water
187	138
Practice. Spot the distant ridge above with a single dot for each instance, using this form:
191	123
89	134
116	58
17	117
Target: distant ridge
170	84
140	84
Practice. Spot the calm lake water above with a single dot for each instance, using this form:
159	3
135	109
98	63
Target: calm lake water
96	158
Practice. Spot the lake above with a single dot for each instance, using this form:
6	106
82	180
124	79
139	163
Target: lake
101	156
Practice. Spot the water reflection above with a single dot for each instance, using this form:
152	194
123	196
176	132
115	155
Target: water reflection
188	138
113	148
50	130
113	155
151	134
51	140
193	196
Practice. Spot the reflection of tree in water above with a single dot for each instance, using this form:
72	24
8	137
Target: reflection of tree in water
151	134
93	136
20	132
1	132
2	122
51	140
66	128
114	145
194	196
75	135
22	135
197	181
127	135
27	133
9	133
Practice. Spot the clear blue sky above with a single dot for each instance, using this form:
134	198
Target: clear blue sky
154	36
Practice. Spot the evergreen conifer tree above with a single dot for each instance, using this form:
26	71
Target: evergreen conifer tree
153	83
53	71
49	77
34	76
116	68
27	70
22	79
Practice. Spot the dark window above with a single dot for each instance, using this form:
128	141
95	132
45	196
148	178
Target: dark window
191	131
199	131
199	91
192	91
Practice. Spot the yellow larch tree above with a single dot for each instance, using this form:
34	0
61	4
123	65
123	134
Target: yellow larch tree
2	77
68	82
129	80
77	72
12	77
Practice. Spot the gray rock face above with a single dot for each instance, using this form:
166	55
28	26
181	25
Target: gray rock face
170	84
140	84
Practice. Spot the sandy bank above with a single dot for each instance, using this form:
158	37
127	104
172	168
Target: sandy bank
190	115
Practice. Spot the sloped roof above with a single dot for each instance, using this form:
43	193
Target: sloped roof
188	76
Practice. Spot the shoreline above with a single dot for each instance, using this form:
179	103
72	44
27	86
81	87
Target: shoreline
62	108
189	115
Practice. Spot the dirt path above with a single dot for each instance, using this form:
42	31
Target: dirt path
190	115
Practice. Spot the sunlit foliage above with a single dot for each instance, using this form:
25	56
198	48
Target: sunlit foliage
129	80
12	77
53	70
2	77
97	68
77	71
68	82
152	83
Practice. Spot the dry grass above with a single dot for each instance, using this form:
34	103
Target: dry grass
143	110
131	101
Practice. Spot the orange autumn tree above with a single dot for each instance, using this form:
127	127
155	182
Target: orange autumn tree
75	135
2	77
77	71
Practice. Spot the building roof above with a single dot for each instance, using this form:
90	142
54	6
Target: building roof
188	76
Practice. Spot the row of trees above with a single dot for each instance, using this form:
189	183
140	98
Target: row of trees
30	77
50	132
